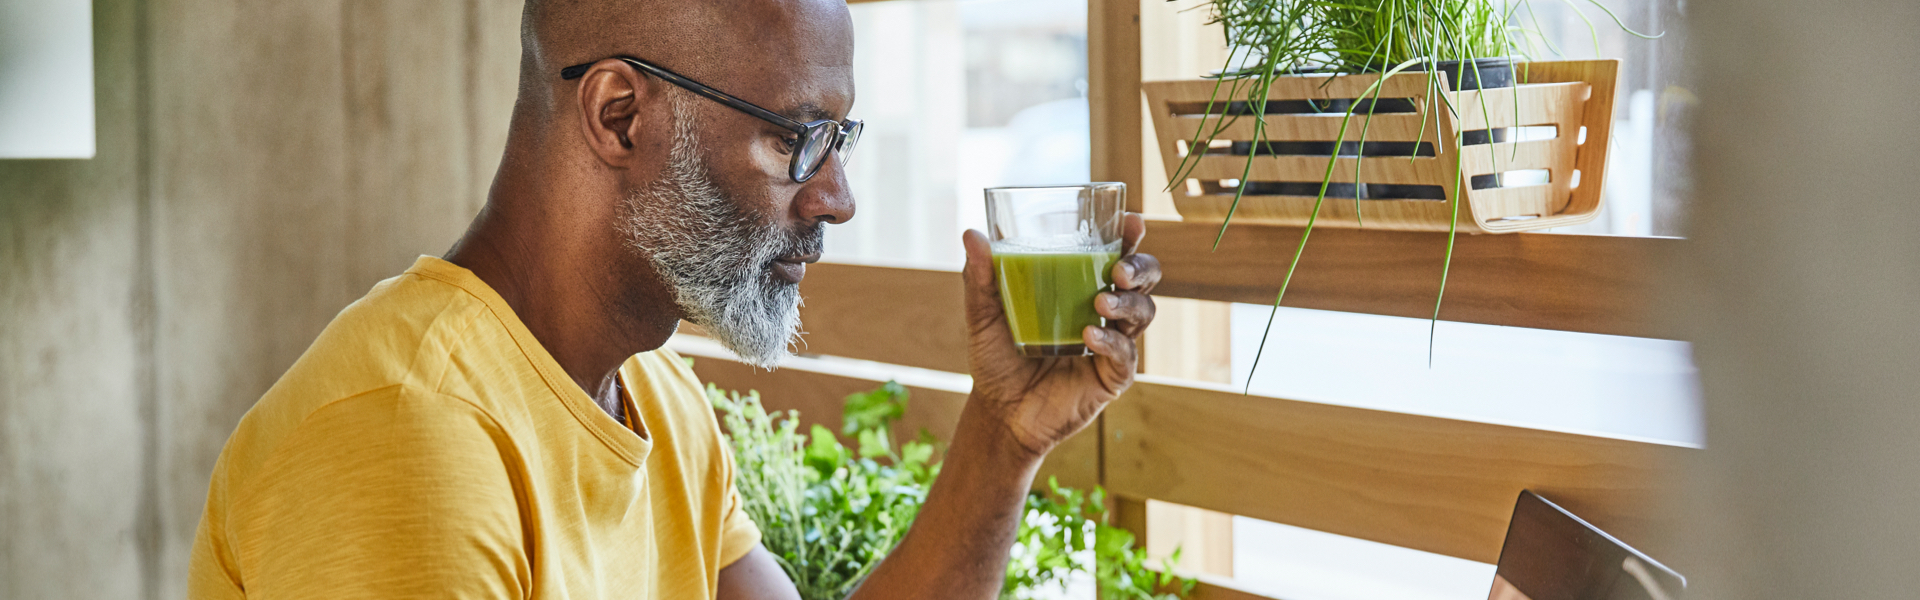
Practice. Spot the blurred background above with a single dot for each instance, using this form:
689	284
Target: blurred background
255	167
968	94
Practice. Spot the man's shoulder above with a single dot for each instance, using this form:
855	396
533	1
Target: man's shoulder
405	331
396	345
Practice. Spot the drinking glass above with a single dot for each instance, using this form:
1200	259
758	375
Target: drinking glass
1053	251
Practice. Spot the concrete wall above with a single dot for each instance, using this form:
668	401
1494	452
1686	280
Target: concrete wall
260	165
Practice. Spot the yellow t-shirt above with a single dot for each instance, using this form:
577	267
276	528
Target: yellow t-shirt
427	446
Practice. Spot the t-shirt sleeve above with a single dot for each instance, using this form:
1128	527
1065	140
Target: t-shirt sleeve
397	493
738	534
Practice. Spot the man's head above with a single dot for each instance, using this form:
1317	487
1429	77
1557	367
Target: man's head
680	198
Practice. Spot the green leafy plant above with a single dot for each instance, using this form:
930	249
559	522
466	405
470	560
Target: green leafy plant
1269	39
1059	529
829	514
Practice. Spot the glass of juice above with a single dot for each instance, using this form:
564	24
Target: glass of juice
1053	251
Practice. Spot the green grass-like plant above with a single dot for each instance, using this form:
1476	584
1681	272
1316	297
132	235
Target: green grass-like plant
1269	39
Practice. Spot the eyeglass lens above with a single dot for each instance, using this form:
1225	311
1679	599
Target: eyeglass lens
814	148
822	140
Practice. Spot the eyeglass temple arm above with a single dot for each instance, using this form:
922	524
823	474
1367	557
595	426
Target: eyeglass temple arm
576	71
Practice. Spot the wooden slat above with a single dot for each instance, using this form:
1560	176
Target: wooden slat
1481	109
1503	157
1215	588
1113	95
1498	111
1532	200
818	398
1419	171
912	317
1428	483
1324	127
1591	284
1191	339
1404	85
1204	538
1381	215
1602	75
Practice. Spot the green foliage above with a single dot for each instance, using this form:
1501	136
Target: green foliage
1059	528
829	514
1269	39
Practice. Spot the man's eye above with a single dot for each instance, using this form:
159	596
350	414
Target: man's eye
791	143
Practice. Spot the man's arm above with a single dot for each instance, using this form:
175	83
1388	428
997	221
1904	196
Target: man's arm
1019	410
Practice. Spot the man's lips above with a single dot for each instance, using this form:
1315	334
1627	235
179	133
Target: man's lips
793	268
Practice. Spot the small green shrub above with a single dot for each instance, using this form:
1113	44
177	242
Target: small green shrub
829	514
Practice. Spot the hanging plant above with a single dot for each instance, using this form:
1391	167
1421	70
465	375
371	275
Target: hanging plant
1430	82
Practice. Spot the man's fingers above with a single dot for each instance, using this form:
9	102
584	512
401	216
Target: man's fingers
1114	357
1132	228
979	268
1133	308
983	292
1138	272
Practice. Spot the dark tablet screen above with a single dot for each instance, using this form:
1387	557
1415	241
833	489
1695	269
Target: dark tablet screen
1550	554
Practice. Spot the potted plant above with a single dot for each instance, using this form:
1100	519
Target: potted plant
829	514
1464	132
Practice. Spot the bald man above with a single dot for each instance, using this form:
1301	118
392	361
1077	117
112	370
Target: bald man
504	423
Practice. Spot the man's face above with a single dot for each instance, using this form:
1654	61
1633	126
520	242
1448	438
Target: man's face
724	224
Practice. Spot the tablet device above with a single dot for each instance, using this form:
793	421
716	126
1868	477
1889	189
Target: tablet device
1550	554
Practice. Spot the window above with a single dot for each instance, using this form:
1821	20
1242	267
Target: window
1647	174
959	97
963	95
46	79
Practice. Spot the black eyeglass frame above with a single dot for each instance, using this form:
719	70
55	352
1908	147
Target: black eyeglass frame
839	136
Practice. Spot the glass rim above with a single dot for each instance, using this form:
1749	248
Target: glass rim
1059	186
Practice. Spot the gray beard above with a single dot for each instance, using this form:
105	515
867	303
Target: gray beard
717	256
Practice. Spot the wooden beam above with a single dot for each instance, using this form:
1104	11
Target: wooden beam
1204	538
1590	284
818	397
1113	95
1428	483
1218	588
913	317
1191	339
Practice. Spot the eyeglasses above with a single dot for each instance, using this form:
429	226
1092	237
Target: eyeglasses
815	140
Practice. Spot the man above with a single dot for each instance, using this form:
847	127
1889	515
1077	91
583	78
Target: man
504	424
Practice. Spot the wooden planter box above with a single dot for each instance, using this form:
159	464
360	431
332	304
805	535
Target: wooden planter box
1552	176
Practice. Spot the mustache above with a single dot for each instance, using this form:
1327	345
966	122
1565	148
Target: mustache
802	241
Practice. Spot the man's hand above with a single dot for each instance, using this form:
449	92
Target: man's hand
957	547
1043	401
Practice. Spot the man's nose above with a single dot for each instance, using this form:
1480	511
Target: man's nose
826	198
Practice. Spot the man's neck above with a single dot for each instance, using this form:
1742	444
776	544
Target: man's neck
560	298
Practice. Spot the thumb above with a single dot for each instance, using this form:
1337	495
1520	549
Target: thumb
983	291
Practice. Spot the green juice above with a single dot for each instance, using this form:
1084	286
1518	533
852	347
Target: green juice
1049	297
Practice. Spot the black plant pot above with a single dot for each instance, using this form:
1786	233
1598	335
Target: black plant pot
1481	73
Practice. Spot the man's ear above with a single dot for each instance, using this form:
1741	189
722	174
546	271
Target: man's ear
616	101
